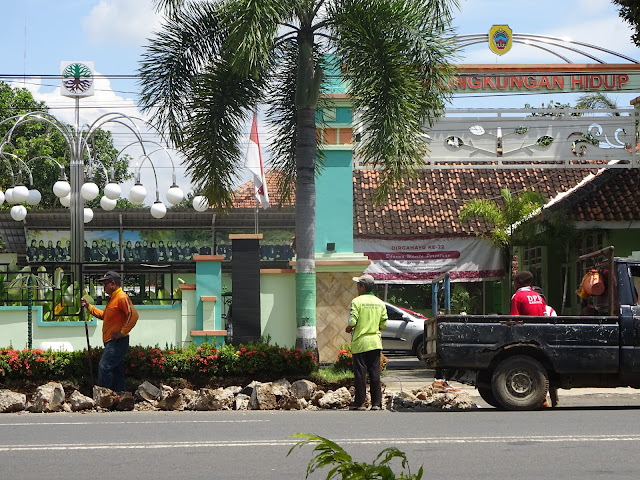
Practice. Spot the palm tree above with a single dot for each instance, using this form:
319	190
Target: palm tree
503	219
597	100
214	62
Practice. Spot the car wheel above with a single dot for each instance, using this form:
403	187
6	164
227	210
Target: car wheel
419	349
520	383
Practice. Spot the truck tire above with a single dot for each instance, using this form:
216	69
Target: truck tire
418	348
487	395
520	383
483	385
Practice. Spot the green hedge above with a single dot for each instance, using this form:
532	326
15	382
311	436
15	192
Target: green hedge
254	359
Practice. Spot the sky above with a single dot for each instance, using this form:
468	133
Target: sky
39	34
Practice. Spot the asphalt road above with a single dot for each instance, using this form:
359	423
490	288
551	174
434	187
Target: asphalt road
587	441
560	444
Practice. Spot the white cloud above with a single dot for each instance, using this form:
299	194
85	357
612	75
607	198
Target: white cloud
121	21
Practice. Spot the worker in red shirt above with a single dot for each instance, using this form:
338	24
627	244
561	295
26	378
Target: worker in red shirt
526	301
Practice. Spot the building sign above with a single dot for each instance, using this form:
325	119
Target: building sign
412	260
544	83
546	78
76	79
500	39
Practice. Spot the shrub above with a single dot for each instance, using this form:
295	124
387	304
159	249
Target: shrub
345	360
152	363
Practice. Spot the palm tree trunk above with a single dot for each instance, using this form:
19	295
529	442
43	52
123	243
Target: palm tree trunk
306	101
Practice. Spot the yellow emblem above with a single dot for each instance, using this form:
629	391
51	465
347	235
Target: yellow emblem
500	39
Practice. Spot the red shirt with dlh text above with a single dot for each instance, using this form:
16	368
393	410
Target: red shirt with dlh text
527	302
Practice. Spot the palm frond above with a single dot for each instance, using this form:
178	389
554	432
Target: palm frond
388	52
221	104
482	208
252	27
185	45
170	7
595	100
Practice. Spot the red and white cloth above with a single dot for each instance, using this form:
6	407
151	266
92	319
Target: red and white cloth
254	163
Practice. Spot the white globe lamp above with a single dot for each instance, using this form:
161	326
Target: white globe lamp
200	203
1	197
8	196
34	196
108	203
18	212
137	194
174	195
112	191
89	191
20	194
158	210
88	214
66	200
61	188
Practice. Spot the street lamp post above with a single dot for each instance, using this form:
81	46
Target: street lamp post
77	82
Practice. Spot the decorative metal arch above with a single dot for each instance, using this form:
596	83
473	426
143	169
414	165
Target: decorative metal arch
545	43
534	138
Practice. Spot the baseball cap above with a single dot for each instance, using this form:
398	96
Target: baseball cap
366	280
538	290
110	276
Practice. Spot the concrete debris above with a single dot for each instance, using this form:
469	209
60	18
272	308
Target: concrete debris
47	398
125	402
303	389
208	399
341	398
300	395
177	400
148	391
11	402
437	396
104	397
242	401
79	402
263	397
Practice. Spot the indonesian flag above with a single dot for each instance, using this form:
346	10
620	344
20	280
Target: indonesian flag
254	163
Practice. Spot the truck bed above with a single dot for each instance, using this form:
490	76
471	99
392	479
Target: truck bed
571	344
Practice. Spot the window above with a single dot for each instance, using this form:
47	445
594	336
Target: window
532	261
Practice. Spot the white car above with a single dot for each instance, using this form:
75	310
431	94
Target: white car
404	332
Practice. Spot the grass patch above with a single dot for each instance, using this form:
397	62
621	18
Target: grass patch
329	375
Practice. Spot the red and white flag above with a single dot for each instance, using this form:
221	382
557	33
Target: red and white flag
254	163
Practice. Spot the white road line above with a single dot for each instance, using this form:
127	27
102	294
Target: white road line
290	442
152	422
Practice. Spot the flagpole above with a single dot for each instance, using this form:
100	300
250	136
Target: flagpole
257	210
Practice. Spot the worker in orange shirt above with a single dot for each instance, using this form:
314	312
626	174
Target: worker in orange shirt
119	317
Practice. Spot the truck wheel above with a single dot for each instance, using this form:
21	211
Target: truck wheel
487	395
483	385
418	349
520	383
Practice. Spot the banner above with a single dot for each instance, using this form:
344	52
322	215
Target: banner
413	260
144	246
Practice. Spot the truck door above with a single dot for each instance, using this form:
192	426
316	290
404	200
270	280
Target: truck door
629	286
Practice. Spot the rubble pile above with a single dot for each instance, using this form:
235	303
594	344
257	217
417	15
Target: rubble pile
437	396
278	395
